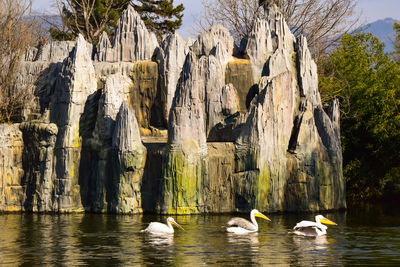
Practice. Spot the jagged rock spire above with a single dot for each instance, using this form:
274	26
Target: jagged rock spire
132	41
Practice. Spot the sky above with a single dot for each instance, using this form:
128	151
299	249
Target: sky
371	10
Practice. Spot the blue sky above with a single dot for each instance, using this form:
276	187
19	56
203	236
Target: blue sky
372	10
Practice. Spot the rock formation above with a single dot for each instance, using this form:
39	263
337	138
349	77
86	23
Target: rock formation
246	129
129	161
132	41
185	165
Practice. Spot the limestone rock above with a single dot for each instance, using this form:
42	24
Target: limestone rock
38	162
129	159
259	47
243	133
54	51
144	94
207	43
12	191
264	140
171	58
132	41
76	83
115	91
185	165
229	100
307	72
267	36
239	73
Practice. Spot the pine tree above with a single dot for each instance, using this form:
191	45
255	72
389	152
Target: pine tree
88	17
160	16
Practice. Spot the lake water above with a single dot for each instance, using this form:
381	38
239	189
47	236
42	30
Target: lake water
364	236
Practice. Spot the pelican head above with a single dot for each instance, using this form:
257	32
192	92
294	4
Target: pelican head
171	220
256	213
322	219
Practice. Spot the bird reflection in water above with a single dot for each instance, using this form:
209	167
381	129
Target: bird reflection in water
303	243
159	240
250	240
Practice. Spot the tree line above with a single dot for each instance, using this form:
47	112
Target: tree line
352	67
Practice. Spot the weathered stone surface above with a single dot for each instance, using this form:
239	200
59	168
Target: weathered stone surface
185	165
38	163
268	35
54	51
219	190
239	73
12	190
115	91
144	95
105	69
217	40
170	59
132	41
130	158
76	82
270	145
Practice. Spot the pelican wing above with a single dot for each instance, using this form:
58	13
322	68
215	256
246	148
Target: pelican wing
305	224
306	231
243	223
156	227
308	228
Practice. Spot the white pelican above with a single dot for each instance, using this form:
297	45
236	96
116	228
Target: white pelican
162	228
308	228
243	226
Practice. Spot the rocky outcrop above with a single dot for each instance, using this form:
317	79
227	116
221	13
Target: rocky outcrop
76	82
39	139
243	133
144	95
132	41
129	161
185	166
12	185
170	59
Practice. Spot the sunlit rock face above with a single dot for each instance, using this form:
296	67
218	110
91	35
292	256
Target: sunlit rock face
75	83
12	190
129	157
132	41
170	58
185	165
187	127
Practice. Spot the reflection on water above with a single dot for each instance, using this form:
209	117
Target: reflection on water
368	236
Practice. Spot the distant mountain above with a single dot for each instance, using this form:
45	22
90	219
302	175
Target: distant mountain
383	29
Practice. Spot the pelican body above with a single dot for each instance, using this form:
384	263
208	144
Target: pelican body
308	228
162	228
243	226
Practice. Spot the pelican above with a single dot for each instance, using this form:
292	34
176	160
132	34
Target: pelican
162	228
308	228
243	226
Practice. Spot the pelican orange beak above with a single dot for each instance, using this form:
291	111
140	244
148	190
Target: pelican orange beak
327	221
177	225
262	216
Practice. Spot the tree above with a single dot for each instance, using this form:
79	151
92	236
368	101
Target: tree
91	17
396	28
160	16
322	22
87	17
368	81
17	32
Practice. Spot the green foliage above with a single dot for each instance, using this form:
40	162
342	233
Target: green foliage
368	84
160	16
102	17
396	28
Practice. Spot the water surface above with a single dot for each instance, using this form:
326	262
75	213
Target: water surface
364	236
